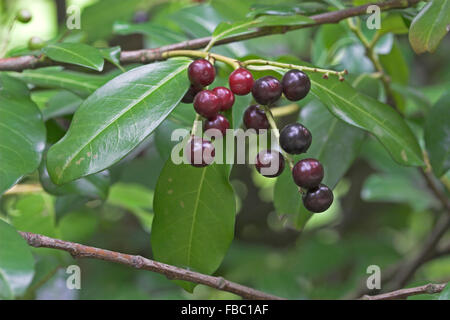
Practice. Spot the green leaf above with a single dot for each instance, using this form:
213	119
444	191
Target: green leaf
194	222
78	226
445	294
61	104
55	77
16	263
154	31
226	29
75	53
112	55
116	118
22	133
430	26
437	135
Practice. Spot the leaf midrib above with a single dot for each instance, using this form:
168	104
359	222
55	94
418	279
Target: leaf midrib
126	110
91	63
435	23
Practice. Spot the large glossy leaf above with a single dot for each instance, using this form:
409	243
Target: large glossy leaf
22	133
16	263
116	118
430	26
437	135
55	77
364	112
75	53
194	217
331	136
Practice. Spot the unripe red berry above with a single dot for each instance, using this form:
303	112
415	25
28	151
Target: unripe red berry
241	81
201	72
225	96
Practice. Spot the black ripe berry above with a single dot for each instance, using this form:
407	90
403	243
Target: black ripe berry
241	81
201	72
295	138
218	122
200	152
308	173
190	94
266	90
206	104
318	199
255	118
270	163
226	97
296	85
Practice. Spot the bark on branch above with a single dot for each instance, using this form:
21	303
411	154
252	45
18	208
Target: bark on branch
150	55
171	272
405	293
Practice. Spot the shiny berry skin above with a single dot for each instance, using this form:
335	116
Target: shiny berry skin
226	97
295	138
318	199
255	118
206	104
308	173
201	72
24	16
267	90
241	81
270	163
218	122
190	94
296	85
200	152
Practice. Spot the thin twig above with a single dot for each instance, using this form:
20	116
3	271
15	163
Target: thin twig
150	55
430	288
171	272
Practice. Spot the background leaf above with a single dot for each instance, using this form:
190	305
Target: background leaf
22	133
16	263
430	26
194	222
116	118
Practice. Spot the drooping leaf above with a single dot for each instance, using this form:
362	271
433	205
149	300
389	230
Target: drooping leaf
75	53
22	133
116	118
194	222
55	77
364	112
430	26
16	263
437	135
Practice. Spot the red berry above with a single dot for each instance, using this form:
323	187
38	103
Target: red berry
201	72
296	85
200	152
308	173
218	122
241	81
318	199
267	90
226	97
255	118
269	163
190	94
206	104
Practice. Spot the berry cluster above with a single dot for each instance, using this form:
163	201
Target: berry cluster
294	138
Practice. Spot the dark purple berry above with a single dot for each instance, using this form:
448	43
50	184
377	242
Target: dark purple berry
307	173
206	104
201	72
266	90
190	94
226	97
218	122
255	118
295	138
241	81
318	199
296	85
200	152
270	163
